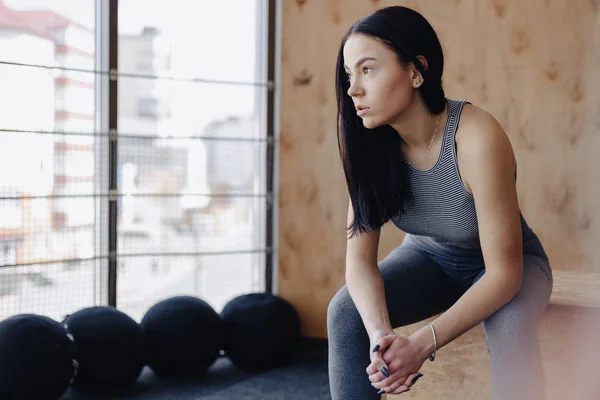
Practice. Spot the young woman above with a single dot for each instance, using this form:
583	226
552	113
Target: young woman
444	172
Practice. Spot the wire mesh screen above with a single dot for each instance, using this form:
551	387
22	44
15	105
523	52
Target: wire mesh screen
191	152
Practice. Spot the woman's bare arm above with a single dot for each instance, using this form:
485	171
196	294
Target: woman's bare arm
486	163
364	280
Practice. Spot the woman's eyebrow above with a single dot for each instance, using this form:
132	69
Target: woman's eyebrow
362	60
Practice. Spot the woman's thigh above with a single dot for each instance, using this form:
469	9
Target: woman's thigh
416	287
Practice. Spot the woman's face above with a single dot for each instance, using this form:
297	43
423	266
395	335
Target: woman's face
380	87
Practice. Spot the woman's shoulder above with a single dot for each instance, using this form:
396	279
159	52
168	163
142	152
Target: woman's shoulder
478	130
482	144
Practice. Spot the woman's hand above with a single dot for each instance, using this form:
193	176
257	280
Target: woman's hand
401	357
380	341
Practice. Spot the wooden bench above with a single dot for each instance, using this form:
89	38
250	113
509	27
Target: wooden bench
569	340
574	288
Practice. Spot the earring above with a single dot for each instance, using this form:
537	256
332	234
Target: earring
419	81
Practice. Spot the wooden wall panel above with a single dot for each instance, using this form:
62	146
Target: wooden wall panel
534	65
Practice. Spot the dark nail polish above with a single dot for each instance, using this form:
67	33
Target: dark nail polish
381	391
385	372
372	384
416	378
376	348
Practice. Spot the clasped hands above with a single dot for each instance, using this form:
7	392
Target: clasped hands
395	362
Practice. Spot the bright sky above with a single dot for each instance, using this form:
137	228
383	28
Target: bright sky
197	28
213	38
210	39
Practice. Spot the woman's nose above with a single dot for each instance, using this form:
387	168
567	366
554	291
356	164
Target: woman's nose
354	89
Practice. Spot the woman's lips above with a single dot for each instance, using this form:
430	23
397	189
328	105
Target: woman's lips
360	111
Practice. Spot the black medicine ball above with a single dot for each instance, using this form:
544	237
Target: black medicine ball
110	348
184	334
37	358
262	331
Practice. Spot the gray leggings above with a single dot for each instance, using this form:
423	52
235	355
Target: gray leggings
422	279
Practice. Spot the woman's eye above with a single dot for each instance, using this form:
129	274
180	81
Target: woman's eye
367	70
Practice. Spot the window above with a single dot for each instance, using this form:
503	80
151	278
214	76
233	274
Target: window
189	180
148	107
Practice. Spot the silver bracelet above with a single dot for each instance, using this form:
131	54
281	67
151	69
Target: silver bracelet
432	357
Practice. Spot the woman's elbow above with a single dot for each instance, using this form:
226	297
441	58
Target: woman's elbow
511	282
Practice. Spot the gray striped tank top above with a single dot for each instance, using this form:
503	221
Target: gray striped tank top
442	209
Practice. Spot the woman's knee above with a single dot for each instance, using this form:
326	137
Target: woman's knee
506	332
521	315
341	312
514	326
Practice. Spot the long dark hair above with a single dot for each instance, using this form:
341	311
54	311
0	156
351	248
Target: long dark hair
377	178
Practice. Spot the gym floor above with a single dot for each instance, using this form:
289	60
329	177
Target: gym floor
304	378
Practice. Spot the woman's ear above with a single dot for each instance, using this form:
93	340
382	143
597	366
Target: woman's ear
423	61
416	75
